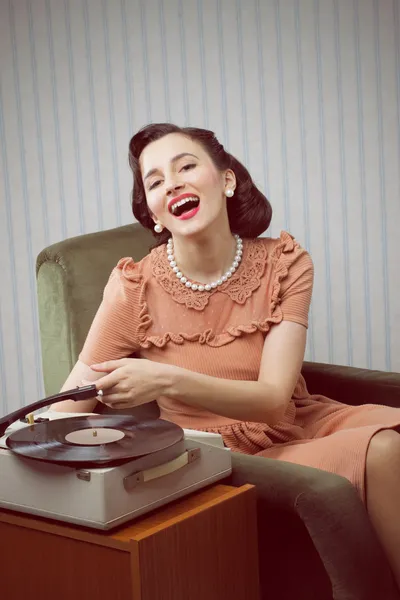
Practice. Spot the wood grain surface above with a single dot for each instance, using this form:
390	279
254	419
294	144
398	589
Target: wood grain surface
203	546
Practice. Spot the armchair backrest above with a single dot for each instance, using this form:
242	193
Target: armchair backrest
71	276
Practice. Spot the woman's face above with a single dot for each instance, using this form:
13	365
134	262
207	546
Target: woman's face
185	192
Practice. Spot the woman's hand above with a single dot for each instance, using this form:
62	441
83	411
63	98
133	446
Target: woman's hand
132	381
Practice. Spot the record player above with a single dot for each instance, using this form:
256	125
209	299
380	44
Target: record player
100	471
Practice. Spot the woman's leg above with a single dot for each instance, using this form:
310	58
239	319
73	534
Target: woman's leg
383	493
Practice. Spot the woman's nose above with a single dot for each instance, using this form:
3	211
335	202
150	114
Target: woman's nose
174	186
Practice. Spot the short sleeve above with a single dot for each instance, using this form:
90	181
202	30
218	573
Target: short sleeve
296	288
113	330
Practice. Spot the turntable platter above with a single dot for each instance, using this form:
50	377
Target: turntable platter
97	440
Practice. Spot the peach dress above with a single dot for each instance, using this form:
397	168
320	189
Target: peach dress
148	312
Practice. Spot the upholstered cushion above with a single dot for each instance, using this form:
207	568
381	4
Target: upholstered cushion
71	276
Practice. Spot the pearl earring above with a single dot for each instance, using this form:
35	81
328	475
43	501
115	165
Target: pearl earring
229	193
158	228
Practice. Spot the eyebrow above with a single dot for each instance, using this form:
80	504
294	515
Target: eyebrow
174	159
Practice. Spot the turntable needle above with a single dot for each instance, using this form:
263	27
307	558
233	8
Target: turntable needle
31	419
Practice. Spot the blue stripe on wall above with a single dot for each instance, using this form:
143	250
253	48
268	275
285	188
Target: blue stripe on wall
396	25
93	117
282	111
59	153
38	123
75	125
27	209
20	377
324	183
364	215
3	380
202	62
145	59
164	60
128	68
183	64
111	113
304	180
382	195
242	82
224	106
263	117
343	179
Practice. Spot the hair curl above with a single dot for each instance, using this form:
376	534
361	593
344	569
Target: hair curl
249	211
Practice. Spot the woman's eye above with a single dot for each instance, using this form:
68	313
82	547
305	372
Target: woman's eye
155	184
188	166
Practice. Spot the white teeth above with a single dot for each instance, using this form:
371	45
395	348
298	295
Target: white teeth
182	202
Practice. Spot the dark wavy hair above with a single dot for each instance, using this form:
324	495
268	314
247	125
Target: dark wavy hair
249	211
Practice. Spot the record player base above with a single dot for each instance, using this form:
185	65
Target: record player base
202	547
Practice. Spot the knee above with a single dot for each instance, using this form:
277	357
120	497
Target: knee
383	452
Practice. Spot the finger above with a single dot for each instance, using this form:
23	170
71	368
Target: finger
113	400
108	381
110	365
117	405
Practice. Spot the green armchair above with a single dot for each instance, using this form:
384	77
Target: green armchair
315	538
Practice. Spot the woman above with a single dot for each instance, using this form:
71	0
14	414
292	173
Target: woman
218	317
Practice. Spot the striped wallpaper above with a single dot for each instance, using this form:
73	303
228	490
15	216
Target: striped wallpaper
305	92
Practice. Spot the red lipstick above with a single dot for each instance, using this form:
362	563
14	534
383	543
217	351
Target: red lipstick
179	198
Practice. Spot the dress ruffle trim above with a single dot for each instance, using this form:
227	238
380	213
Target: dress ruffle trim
129	270
192	299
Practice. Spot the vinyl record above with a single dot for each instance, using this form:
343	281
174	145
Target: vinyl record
93	440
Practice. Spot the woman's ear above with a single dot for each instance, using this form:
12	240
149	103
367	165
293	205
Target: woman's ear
230	179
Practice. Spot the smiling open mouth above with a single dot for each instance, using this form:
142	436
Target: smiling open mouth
184	206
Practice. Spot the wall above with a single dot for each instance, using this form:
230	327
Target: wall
306	93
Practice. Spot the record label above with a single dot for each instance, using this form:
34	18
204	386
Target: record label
94	436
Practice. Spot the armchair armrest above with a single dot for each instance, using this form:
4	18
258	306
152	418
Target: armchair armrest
352	385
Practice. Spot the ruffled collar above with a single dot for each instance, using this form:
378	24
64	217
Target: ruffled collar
239	287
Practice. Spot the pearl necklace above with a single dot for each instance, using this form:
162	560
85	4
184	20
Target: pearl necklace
209	286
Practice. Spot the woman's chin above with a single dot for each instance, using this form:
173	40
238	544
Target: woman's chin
189	228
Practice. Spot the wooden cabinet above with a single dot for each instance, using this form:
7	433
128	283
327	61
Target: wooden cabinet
202	547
